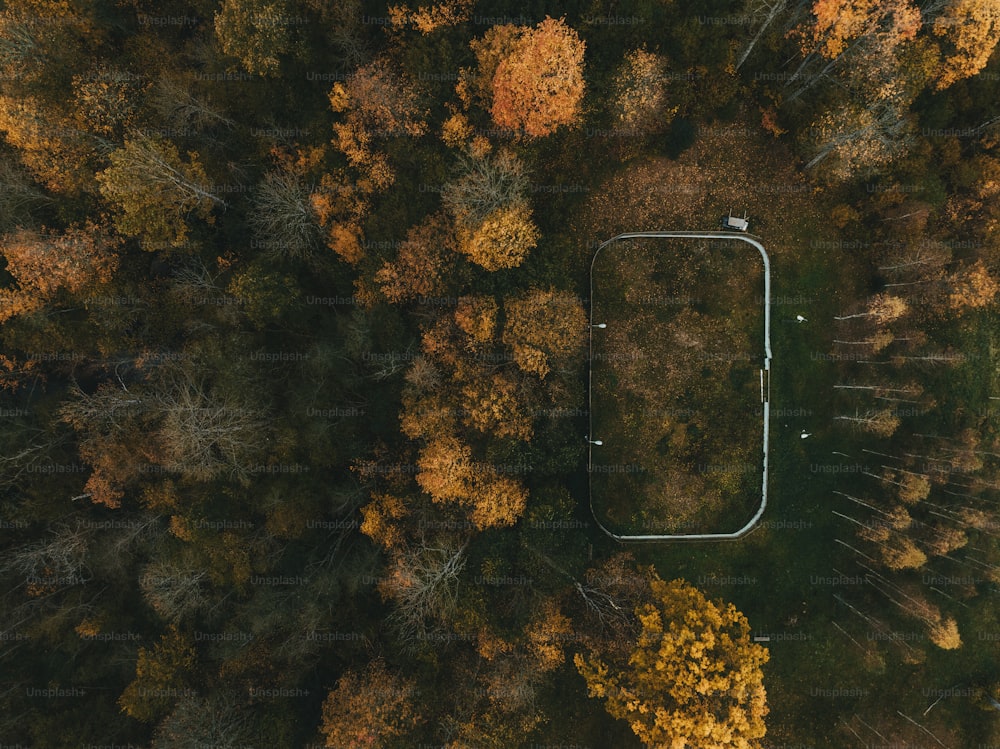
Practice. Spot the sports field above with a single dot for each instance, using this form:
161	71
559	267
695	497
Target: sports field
676	385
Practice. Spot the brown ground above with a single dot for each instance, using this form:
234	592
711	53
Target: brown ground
730	167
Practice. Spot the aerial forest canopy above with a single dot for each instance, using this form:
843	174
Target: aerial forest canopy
294	360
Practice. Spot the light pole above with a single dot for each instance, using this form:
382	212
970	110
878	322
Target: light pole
594	442
600	325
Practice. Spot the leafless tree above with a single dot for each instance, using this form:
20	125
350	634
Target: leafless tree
57	561
221	719
173	591
19	196
181	109
106	410
769	11
422	582
485	184
881	422
206	433
284	217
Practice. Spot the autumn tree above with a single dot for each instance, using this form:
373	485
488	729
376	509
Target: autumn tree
882	308
503	240
972	288
872	31
494	405
162	674
693	678
859	138
532	79
45	263
383	520
493	219
106	100
839	23
640	93
378	102
256	32
445	469
428	18
42	43
154	190
497	500
944	633
970	30
109	422
544	329
373	708
341	206
899	552
421	263
496	703
448	473
476	85
50	145
864	48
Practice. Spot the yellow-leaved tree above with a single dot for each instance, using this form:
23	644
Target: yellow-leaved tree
693	678
154	190
970	30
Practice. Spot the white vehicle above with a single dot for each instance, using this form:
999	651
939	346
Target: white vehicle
735	223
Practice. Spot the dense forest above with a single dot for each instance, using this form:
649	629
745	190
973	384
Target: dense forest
294	327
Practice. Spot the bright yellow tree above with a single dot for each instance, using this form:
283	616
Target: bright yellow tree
971	28
693	679
503	239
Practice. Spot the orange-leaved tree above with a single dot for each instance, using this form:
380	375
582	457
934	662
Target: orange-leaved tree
532	79
378	102
373	708
45	263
